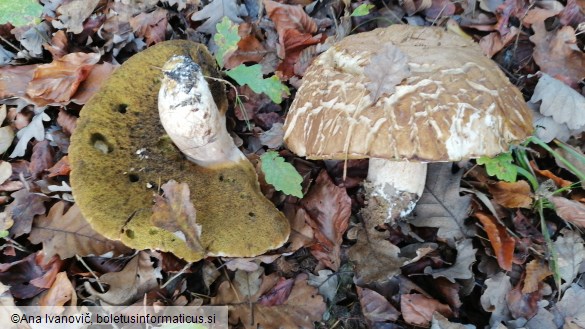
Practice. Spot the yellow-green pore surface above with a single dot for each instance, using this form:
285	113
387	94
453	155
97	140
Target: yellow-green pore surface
120	155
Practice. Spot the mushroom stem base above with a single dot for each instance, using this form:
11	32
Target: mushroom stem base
392	189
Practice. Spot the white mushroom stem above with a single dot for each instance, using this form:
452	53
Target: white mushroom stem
190	116
394	188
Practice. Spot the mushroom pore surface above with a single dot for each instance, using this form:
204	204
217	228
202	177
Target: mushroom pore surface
120	156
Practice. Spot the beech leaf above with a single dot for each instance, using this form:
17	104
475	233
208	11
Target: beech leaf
385	71
280	174
252	76
500	240
376	307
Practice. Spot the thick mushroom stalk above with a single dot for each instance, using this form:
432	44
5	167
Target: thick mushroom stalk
191	117
393	188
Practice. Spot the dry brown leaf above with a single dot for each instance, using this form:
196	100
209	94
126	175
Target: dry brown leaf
72	15
175	213
570	249
548	174
60	293
41	159
329	208
418	309
23	210
28	276
151	26
536	272
294	42
58	81
414	6
67	233
492	43
440	8
569	210
67	121
557	54
301	308
58	45
98	75
521	304
137	278
214	12
493	299
375	307
375	258
15	79
250	49
385	71
512	195
559	101
500	240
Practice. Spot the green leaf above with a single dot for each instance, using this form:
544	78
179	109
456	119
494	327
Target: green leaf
3	234
252	76
226	39
20	12
280	174
500	166
362	10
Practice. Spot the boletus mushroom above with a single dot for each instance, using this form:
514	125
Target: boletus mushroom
403	96
121	155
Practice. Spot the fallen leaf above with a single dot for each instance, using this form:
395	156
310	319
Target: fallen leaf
71	15
441	322
58	47
329	208
294	42
512	195
28	277
573	13
5	171
559	101
273	138
569	210
214	12
493	298
23	210
548	174
301	308
523	305
418	309
375	307
288	17
61	168
249	49
461	269
151	26
570	249
557	54
385	71
137	278
41	159
442	207
536	272
15	79
492	43
174	212
31	38
500	240
60	293
92	83
375	258
327	282
35	129
440	8
58	81
571	308
67	233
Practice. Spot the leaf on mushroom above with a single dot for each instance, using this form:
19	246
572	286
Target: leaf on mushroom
385	71
138	277
500	240
214	12
67	233
559	101
175	213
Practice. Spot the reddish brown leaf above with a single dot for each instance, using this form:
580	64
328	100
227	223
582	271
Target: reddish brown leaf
61	168
59	44
501	241
512	195
58	81
569	210
152	26
492	43
67	121
329	208
557	53
536	272
23	209
278	294
375	307
60	293
548	174
250	49
15	79
41	158
93	82
294	43
418	309
287	17
521	304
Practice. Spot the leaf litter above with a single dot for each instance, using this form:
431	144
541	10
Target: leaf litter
471	225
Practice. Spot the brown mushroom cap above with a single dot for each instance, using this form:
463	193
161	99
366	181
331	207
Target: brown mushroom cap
120	156
454	104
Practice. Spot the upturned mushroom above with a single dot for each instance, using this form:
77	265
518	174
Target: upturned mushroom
121	155
403	96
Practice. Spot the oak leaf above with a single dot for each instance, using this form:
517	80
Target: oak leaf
327	282
67	233
570	249
461	269
385	71
72	15
214	12
151	26
559	101
493	299
23	209
137	278
329	208
35	129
